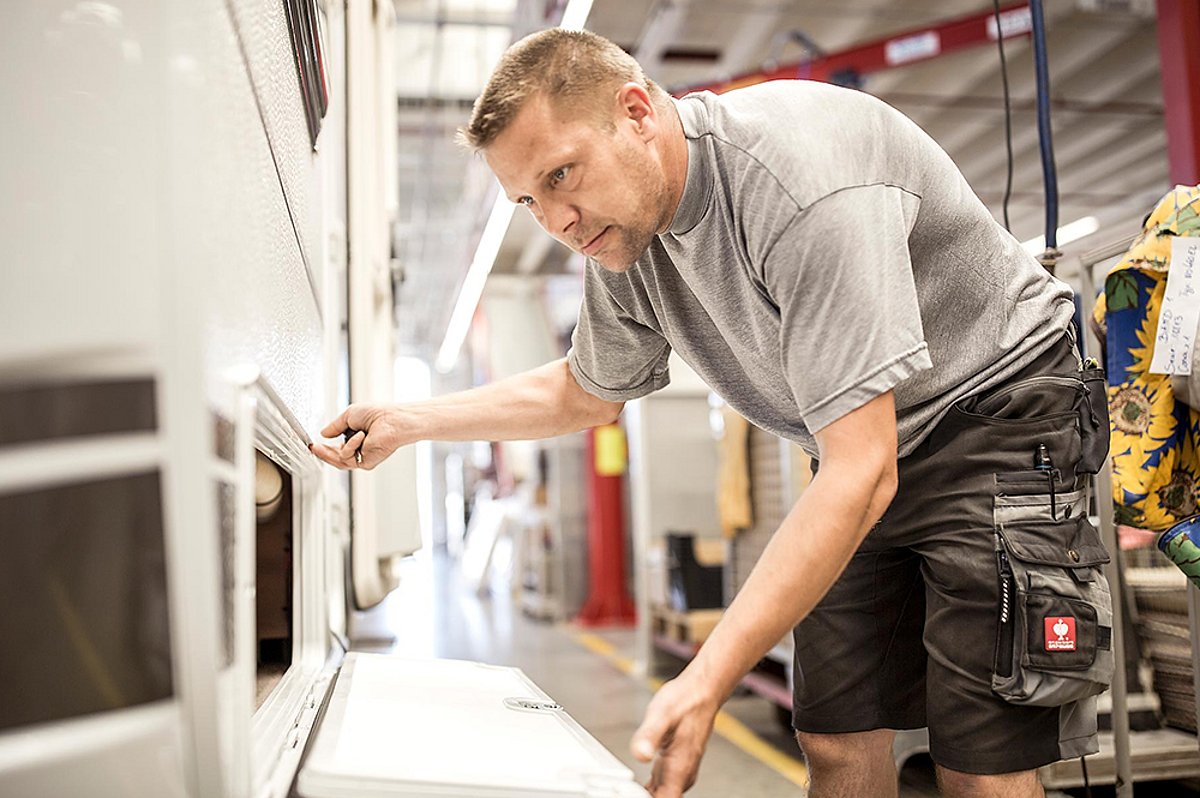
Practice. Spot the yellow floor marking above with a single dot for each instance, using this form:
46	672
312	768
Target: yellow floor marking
740	735
726	726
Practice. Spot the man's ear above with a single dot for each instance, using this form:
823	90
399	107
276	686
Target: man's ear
636	108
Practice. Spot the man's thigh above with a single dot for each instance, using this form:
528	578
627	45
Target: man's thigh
859	662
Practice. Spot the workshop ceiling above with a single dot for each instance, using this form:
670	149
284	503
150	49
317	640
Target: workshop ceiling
1104	77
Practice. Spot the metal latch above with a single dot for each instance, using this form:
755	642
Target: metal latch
531	705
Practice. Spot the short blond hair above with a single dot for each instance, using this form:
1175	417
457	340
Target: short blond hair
573	68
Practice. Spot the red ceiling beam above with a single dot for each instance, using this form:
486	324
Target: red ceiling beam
900	49
1179	54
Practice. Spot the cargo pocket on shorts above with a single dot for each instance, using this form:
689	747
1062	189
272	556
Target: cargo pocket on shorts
1054	638
1080	398
1019	416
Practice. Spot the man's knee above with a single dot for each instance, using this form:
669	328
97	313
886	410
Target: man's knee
956	784
836	751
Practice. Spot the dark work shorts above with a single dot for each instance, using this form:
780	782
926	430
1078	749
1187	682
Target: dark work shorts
908	635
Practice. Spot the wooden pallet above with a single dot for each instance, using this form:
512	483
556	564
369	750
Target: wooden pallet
684	627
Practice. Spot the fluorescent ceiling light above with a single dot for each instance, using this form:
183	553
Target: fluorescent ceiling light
1072	231
576	14
573	18
472	288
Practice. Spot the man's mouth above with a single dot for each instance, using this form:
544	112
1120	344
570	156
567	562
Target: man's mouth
593	246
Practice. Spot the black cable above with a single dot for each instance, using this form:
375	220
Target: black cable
1007	114
1087	785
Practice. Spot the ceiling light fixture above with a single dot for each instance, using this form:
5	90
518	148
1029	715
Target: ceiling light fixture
472	287
573	18
576	14
1072	231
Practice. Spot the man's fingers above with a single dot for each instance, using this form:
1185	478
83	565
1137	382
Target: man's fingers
649	736
643	750
352	444
670	777
672	734
643	745
655	777
329	455
337	426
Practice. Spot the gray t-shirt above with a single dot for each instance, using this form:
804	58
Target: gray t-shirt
825	250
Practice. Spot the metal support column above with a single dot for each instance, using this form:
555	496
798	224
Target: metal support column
1120	712
1179	53
1102	484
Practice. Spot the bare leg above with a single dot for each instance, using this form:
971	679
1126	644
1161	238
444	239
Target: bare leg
856	765
1023	784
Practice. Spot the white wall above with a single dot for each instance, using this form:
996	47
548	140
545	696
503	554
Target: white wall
165	214
79	210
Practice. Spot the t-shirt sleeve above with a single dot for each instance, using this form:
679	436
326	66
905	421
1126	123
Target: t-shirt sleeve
613	355
850	324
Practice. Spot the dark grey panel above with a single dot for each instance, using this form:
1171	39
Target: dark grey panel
225	437
83	600
37	413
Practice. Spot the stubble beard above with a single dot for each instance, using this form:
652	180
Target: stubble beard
629	245
632	240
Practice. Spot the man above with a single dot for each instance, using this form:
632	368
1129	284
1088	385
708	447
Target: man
823	265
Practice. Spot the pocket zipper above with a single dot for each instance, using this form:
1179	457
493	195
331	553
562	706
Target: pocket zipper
1006	578
1004	654
1047	379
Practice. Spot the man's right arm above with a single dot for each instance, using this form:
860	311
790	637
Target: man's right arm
539	403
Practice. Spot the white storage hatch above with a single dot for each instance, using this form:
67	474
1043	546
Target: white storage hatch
397	727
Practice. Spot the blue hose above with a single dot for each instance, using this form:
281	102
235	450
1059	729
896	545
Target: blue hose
1049	175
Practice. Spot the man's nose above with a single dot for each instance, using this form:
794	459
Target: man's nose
560	218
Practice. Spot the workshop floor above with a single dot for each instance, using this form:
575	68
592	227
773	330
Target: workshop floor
434	614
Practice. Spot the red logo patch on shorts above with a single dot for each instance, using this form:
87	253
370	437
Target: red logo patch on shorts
1060	634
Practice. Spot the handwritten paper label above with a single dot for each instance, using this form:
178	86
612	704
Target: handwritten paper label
1180	310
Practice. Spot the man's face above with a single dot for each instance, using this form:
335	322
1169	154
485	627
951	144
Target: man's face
598	189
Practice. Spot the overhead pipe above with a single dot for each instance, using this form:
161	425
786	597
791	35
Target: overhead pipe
900	49
1050	257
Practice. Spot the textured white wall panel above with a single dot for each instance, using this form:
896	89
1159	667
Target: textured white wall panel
79	211
145	206
263	29
258	307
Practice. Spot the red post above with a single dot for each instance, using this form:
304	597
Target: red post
608	600
1179	54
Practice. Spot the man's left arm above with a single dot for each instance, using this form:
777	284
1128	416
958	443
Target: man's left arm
812	547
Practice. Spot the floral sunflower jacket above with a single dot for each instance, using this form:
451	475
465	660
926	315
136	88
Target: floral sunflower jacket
1155	451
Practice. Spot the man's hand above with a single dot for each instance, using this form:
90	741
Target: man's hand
378	434
674	732
805	556
539	403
